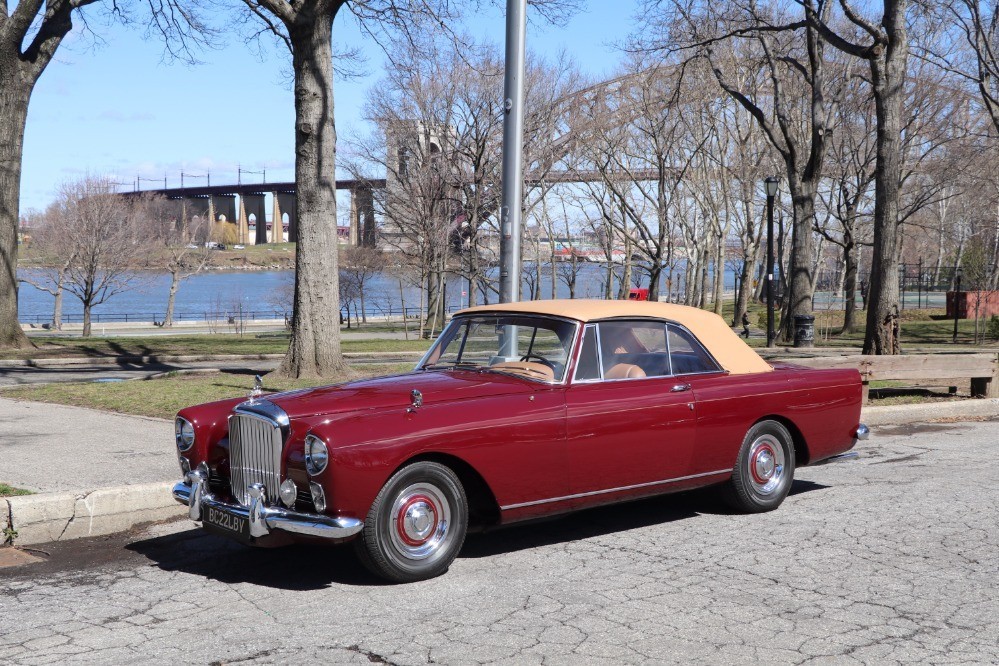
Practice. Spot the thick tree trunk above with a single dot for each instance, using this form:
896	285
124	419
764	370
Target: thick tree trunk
719	289
87	307
799	279
888	79
850	285
655	272
57	305
171	299
13	114
435	301
745	284
625	287
314	350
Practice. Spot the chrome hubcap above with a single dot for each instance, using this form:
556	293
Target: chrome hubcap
421	519
766	464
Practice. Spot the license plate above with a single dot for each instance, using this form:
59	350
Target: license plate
226	524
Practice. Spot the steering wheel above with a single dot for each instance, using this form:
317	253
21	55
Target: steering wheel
539	359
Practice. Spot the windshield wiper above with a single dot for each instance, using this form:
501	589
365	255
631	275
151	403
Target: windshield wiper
464	365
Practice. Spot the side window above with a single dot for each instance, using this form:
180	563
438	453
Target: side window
588	367
687	356
634	349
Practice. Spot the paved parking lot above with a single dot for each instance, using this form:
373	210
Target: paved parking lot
892	558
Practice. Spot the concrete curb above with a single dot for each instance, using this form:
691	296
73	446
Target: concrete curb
45	518
116	361
931	411
62	516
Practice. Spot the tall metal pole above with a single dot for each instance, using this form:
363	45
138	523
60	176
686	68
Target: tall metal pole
770	270
513	151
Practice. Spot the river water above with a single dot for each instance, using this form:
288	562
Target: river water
258	295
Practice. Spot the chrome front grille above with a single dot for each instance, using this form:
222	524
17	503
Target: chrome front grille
255	445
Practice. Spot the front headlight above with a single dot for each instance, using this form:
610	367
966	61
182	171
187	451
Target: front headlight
316	454
185	434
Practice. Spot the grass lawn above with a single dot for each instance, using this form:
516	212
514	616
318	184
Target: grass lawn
183	345
163	397
10	491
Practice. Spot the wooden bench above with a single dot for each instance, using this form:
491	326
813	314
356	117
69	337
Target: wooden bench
981	369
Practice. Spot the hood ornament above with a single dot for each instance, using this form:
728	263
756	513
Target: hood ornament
417	401
258	389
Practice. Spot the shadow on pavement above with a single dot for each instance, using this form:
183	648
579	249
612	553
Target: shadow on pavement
607	520
314	567
298	567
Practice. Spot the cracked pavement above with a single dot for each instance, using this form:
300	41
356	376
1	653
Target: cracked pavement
893	558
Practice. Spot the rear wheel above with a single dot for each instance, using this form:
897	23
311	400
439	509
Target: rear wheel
416	525
764	469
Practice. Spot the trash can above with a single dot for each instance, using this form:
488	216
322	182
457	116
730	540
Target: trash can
804	331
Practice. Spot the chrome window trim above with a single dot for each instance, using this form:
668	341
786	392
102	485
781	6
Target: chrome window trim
569	355
592	493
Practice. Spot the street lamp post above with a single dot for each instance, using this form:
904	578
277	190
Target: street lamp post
771	185
957	293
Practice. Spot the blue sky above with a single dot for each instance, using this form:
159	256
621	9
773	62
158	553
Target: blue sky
119	110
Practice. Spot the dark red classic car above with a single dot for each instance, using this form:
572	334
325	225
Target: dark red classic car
517	411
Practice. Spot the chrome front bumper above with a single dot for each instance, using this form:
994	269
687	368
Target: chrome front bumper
193	493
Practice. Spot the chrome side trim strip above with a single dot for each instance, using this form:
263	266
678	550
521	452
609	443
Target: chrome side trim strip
849	455
613	490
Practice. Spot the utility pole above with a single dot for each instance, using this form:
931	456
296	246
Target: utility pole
513	151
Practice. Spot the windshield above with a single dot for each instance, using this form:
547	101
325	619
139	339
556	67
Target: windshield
532	347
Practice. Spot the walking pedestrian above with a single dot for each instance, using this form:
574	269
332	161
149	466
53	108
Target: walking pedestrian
745	325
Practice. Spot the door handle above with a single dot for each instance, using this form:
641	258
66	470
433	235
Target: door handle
679	388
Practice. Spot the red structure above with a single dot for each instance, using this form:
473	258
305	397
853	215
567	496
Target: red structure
972	303
637	294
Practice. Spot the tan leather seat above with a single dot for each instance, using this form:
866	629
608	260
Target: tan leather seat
528	369
624	371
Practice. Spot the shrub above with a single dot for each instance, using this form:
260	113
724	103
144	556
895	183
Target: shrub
993	328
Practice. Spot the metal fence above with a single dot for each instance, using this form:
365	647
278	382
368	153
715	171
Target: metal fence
371	312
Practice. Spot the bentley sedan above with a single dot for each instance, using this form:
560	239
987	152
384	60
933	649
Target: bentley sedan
517	411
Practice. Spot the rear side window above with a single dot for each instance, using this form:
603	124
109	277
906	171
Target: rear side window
687	356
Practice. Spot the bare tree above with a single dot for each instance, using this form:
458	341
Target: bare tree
105	231
361	265
180	245
30	35
975	27
306	29
54	249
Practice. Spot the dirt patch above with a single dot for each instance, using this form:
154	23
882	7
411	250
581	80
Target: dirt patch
15	557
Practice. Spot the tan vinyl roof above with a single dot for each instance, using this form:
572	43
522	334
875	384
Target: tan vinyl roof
728	348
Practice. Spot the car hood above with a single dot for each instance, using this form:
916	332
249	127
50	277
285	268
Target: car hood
436	386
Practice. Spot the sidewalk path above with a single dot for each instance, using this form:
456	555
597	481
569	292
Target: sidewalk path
54	448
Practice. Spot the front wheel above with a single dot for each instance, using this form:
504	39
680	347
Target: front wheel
764	469
416	525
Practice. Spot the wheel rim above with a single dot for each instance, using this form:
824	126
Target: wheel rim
766	464
421	519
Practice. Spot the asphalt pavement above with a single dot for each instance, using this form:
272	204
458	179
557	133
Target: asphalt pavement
892	558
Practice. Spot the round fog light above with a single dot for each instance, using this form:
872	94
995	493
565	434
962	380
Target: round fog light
289	493
318	496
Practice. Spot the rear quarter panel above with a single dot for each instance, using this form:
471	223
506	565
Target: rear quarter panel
822	406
